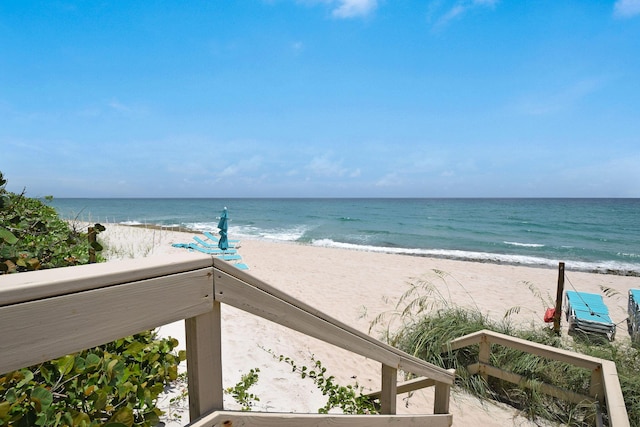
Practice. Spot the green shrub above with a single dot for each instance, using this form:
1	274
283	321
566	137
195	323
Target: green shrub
33	237
114	385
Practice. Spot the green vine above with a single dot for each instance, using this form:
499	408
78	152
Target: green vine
349	399
240	391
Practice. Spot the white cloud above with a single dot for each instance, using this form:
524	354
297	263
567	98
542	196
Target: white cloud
354	8
457	10
325	166
559	99
125	109
297	47
347	8
390	180
626	8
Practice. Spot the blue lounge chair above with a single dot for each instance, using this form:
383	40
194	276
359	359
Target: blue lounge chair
212	250
587	312
232	242
216	252
633	311
212	246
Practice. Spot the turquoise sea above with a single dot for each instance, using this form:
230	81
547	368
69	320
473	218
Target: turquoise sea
601	235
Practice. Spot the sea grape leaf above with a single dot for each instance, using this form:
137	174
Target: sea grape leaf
27	376
124	416
7	236
42	398
92	361
65	364
81	418
5	407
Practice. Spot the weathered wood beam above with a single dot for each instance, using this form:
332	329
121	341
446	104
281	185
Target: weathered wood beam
37	331
258	419
204	362
389	393
280	308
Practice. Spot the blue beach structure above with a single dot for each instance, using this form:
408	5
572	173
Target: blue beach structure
588	313
220	248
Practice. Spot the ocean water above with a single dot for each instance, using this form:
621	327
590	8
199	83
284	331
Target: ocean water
598	235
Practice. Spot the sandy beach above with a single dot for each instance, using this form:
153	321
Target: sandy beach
354	287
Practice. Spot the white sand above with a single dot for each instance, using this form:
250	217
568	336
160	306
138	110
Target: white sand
354	287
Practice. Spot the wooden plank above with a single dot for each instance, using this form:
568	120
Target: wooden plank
465	341
285	310
441	400
484	354
522	381
407	386
616	408
264	419
33	285
596	386
204	363
37	331
389	385
541	350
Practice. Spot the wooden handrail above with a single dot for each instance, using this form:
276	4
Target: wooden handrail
48	314
605	385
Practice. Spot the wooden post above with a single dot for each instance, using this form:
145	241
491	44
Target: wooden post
204	362
441	400
596	387
91	235
389	390
560	291
484	356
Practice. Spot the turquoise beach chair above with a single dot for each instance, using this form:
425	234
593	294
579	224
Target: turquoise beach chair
587	312
232	242
212	246
212	250
215	252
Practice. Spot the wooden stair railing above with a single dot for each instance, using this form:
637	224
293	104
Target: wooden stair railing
50	313
604	387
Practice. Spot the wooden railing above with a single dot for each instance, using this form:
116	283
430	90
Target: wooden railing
604	386
48	314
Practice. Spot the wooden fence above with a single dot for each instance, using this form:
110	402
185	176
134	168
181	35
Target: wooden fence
604	386
48	314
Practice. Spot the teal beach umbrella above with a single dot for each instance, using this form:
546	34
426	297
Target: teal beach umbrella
223	242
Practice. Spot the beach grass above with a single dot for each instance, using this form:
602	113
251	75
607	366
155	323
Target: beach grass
428	321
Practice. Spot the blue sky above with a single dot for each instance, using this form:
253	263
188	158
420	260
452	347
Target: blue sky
321	98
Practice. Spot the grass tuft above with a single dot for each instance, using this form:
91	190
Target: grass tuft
425	320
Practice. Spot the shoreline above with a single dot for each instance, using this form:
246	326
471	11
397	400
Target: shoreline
489	259
354	287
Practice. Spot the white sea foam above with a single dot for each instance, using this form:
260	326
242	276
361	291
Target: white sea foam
291	234
525	245
599	266
131	223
